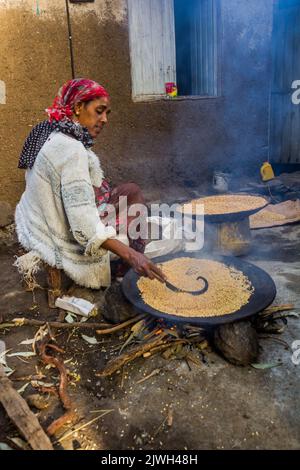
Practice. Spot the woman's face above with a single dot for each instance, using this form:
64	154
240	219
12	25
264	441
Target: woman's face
93	115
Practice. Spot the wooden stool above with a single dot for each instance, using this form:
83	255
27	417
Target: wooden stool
54	278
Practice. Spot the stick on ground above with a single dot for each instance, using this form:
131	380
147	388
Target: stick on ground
21	415
108	328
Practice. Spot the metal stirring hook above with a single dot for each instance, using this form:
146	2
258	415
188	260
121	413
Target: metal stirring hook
195	292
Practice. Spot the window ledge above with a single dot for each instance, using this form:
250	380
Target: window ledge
151	98
191	98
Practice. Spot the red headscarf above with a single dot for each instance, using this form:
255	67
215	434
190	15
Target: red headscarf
72	92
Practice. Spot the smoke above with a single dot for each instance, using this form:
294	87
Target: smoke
227	132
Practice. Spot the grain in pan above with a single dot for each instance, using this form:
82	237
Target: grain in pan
225	204
229	289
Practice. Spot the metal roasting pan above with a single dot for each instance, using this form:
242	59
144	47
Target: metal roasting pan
233	216
263	295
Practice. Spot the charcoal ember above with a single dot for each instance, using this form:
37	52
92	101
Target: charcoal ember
116	307
237	342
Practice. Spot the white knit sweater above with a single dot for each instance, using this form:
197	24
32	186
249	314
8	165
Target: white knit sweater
57	217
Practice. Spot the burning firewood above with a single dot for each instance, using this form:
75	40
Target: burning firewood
158	340
268	322
134	353
277	308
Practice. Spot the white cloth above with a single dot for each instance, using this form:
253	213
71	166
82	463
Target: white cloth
57	217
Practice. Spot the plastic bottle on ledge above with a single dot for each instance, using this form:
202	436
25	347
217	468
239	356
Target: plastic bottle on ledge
171	90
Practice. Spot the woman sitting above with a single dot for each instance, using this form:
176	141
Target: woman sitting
60	218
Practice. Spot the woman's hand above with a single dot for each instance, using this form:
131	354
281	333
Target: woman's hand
144	266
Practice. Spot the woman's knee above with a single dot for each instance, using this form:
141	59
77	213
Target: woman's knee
135	194
134	189
131	190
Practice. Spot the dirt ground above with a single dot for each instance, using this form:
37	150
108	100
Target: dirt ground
184	406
